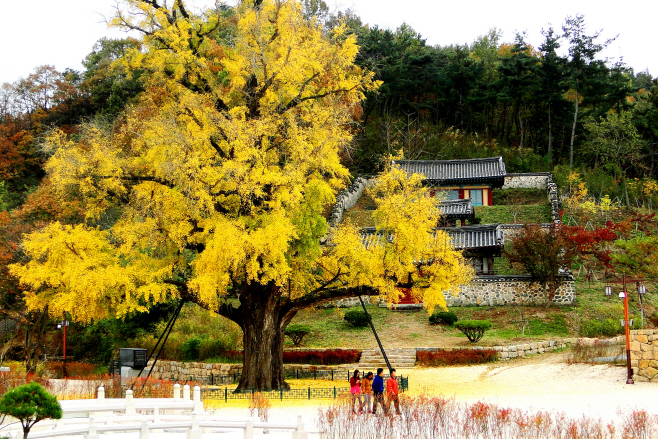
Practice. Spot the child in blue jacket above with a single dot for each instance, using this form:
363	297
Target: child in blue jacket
378	391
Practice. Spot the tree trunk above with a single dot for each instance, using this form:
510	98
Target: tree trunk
573	132
262	327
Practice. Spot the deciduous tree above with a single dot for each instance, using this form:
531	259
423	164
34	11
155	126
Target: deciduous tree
213	187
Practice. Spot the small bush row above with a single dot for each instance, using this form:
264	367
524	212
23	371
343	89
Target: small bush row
455	357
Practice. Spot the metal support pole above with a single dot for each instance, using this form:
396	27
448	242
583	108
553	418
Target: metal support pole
64	345
381	348
627	330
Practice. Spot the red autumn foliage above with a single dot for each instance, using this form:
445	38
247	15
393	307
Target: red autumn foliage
73	369
324	357
455	357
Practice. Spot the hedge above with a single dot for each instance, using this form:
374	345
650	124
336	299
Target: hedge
324	357
455	357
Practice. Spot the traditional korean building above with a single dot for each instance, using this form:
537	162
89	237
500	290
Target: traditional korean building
455	212
460	179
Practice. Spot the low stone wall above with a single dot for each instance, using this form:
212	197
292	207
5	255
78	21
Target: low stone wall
644	354
517	350
509	290
530	180
179	371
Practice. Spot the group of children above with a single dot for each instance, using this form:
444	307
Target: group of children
370	391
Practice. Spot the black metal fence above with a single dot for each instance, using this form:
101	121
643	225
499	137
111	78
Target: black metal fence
308	393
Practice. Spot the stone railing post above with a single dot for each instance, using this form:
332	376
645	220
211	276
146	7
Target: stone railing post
101	392
249	430
186	392
92	434
144	430
176	391
198	405
195	432
130	404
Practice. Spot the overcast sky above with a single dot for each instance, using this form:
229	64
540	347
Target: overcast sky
62	32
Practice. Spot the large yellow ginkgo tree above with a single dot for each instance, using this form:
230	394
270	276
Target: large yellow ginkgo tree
214	187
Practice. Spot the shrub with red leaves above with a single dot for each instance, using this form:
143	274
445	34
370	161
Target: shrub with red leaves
73	369
324	357
455	357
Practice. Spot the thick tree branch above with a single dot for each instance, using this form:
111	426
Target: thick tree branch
327	295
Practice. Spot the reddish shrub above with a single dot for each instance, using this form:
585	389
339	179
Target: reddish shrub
454	357
73	369
324	357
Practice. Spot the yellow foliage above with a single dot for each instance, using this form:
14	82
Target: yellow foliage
218	178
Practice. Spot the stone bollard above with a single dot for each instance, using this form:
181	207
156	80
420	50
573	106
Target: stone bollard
198	405
186	392
144	431
92	434
195	432
101	392
176	391
130	404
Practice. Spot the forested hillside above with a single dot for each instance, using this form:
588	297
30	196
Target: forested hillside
558	107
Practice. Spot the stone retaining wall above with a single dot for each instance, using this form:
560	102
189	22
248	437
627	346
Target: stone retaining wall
509	290
529	180
644	354
346	200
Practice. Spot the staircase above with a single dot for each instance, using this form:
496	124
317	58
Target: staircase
400	358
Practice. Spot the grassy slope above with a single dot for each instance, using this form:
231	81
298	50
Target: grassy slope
412	329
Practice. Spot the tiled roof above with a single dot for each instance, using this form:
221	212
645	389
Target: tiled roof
457	209
462	238
478	236
490	169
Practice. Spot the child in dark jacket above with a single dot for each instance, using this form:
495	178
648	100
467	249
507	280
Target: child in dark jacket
378	391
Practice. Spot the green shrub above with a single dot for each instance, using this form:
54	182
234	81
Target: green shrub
297	333
213	348
444	318
356	317
190	349
474	329
594	328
